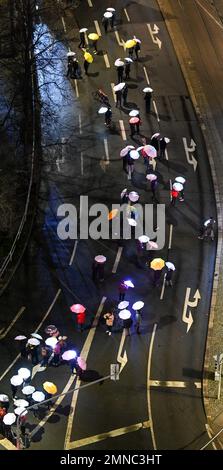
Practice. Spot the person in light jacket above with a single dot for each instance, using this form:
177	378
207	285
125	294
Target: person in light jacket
109	318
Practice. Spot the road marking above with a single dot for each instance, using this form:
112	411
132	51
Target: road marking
170	237
73	253
156	111
106	149
122	127
173	383
82	163
7	444
166	154
152	32
188	319
84	354
90	3
189	150
123	359
208	13
120	42
10	366
76	88
208	429
64	25
148	385
109	434
113	92
21	310
97	27
106	59
126	14
163	287
117	259
146	75
80	124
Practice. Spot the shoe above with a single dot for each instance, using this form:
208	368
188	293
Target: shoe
109	333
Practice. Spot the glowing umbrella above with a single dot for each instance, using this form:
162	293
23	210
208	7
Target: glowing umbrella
33	341
51	329
128	59
16	380
9	419
38	396
147	90
132	222
50	387
134	120
77	308
177	186
124	151
151	177
143	239
36	335
100	259
52	341
28	390
83	30
133	196
134	112
18	411
155	135
129	283
180	179
71	54
82	363
124	192
20	337
119	87
130	43
122	305
93	36
102	110
153	245
110	9
170	266
108	14
21	403
119	63
134	154
157	264
150	151
24	373
4	398
88	57
124	314
112	214
138	305
69	355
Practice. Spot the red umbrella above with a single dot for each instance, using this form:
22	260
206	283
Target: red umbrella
77	308
134	120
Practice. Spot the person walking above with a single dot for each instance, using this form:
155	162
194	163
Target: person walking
45	356
125	163
132	129
147	98
131	50
56	355
154	186
138	124
118	94
137	50
112	20
109	319
75	68
138	318
125	94
108	117
86	66
94	45
105	24
120	72
208	229
174	196
82	43
169	275
81	317
155	142
156	277
130	167
127	325
122	290
162	147
127	69
69	67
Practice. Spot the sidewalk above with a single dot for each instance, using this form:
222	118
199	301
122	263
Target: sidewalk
213	407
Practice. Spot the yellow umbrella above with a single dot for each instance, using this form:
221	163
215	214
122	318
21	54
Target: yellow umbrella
88	57
112	214
130	43
157	264
49	387
93	36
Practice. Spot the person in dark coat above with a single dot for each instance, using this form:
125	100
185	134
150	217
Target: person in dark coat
118	98
122	290
125	94
137	125
156	277
147	98
155	143
120	71
82	41
75	68
69	67
137	49
127	70
162	147
131	50
125	163
112	20
154	185
127	325
132	129
169	276
105	23
174	196
86	66
108	117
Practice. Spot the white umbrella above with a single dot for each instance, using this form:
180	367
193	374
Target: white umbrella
21	403
16	380
147	90
71	54
124	192
137	40
124	314
180	179
133	196
129	283
155	135
100	259
132	222
138	305
122	305
170	266
69	355
134	154
36	335
20	337
38	396
83	30
52	341
167	140
33	341
9	419
143	239
24	373
151	177
18	411
107	14
102	110
119	87
28	390
128	59
126	149
134	112
177	186
110	9
4	398
119	63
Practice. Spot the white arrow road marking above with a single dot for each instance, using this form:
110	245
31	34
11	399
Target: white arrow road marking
188	319
197	297
120	41
153	32
3	335
122	359
189	150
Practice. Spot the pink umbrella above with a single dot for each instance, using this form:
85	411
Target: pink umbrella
69	355
124	151
153	245
82	363
150	151
100	259
124	192
151	177
77	308
134	120
133	196
134	154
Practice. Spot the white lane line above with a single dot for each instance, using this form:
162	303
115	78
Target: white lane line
146	75
113	92
163	287
82	163
84	354
126	14
117	259
80	124
76	88
64	25
173	383
73	253
171	187
97	27
106	59
148	385
106	149
166	154
21	310
122	127
156	111
120	43
9	367
208	13
170	237
7	444
90	3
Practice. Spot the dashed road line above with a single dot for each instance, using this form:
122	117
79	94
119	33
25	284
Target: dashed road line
126	14
117	259
106	59
122	127
21	310
97	27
